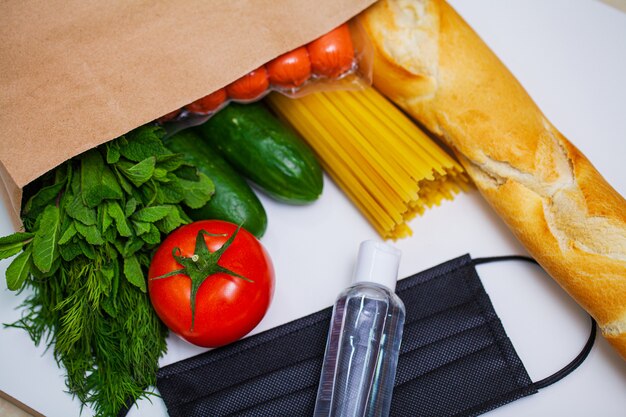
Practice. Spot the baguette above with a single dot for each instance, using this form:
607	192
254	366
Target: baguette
434	66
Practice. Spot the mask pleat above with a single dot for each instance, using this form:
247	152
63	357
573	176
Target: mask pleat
440	325
456	389
232	366
246	395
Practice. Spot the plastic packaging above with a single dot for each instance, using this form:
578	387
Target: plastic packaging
364	339
340	59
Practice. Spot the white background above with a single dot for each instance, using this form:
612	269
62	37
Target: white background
571	57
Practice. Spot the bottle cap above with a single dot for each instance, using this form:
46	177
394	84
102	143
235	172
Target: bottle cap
377	262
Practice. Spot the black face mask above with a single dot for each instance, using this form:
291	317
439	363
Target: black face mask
455	359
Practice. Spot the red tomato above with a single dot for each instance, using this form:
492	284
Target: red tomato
169	116
228	305
208	104
290	70
332	54
250	86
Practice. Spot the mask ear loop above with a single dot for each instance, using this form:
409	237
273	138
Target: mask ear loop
575	363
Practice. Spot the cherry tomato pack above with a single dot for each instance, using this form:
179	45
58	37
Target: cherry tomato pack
339	59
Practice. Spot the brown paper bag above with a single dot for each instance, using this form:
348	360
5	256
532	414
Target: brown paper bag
75	74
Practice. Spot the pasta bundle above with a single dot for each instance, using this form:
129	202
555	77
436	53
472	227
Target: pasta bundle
385	164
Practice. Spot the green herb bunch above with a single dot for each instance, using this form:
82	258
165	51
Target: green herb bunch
90	230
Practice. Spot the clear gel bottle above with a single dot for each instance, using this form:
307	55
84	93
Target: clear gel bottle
364	339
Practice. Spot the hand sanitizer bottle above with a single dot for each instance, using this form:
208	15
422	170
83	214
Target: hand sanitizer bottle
364	339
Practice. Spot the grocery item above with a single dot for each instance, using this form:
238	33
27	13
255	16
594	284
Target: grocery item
211	282
551	197
332	54
265	151
250	86
205	105
339	59
290	70
233	201
388	167
364	338
91	227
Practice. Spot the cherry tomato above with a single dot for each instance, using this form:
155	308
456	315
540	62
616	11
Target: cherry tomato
232	275
332	54
169	116
290	70
208	104
250	86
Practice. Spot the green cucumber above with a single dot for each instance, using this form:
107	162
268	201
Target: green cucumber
234	200
265	151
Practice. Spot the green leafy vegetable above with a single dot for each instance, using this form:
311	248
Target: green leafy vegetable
134	275
45	241
13	244
98	182
116	213
139	173
76	209
91	227
68	234
152	214
18	271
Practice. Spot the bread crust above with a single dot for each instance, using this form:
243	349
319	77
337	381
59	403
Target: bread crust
548	193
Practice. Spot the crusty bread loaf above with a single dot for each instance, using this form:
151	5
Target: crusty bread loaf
433	65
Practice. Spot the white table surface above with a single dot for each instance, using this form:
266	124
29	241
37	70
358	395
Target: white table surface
571	57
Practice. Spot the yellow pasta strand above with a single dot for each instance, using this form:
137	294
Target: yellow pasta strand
385	164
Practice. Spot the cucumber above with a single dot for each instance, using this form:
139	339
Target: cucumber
234	200
265	151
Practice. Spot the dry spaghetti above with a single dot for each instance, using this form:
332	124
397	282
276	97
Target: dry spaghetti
387	166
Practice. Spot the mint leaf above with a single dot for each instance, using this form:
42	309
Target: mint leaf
106	274
133	273
116	212
90	233
131	206
12	244
148	195
69	233
107	220
41	275
110	235
141	228
18	271
128	189
143	143
45	250
69	251
44	197
171	192
74	188
110	303
171	221
153	236
113	152
160	174
170	162
152	214
98	182
139	173
87	249
132	246
197	193
77	209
